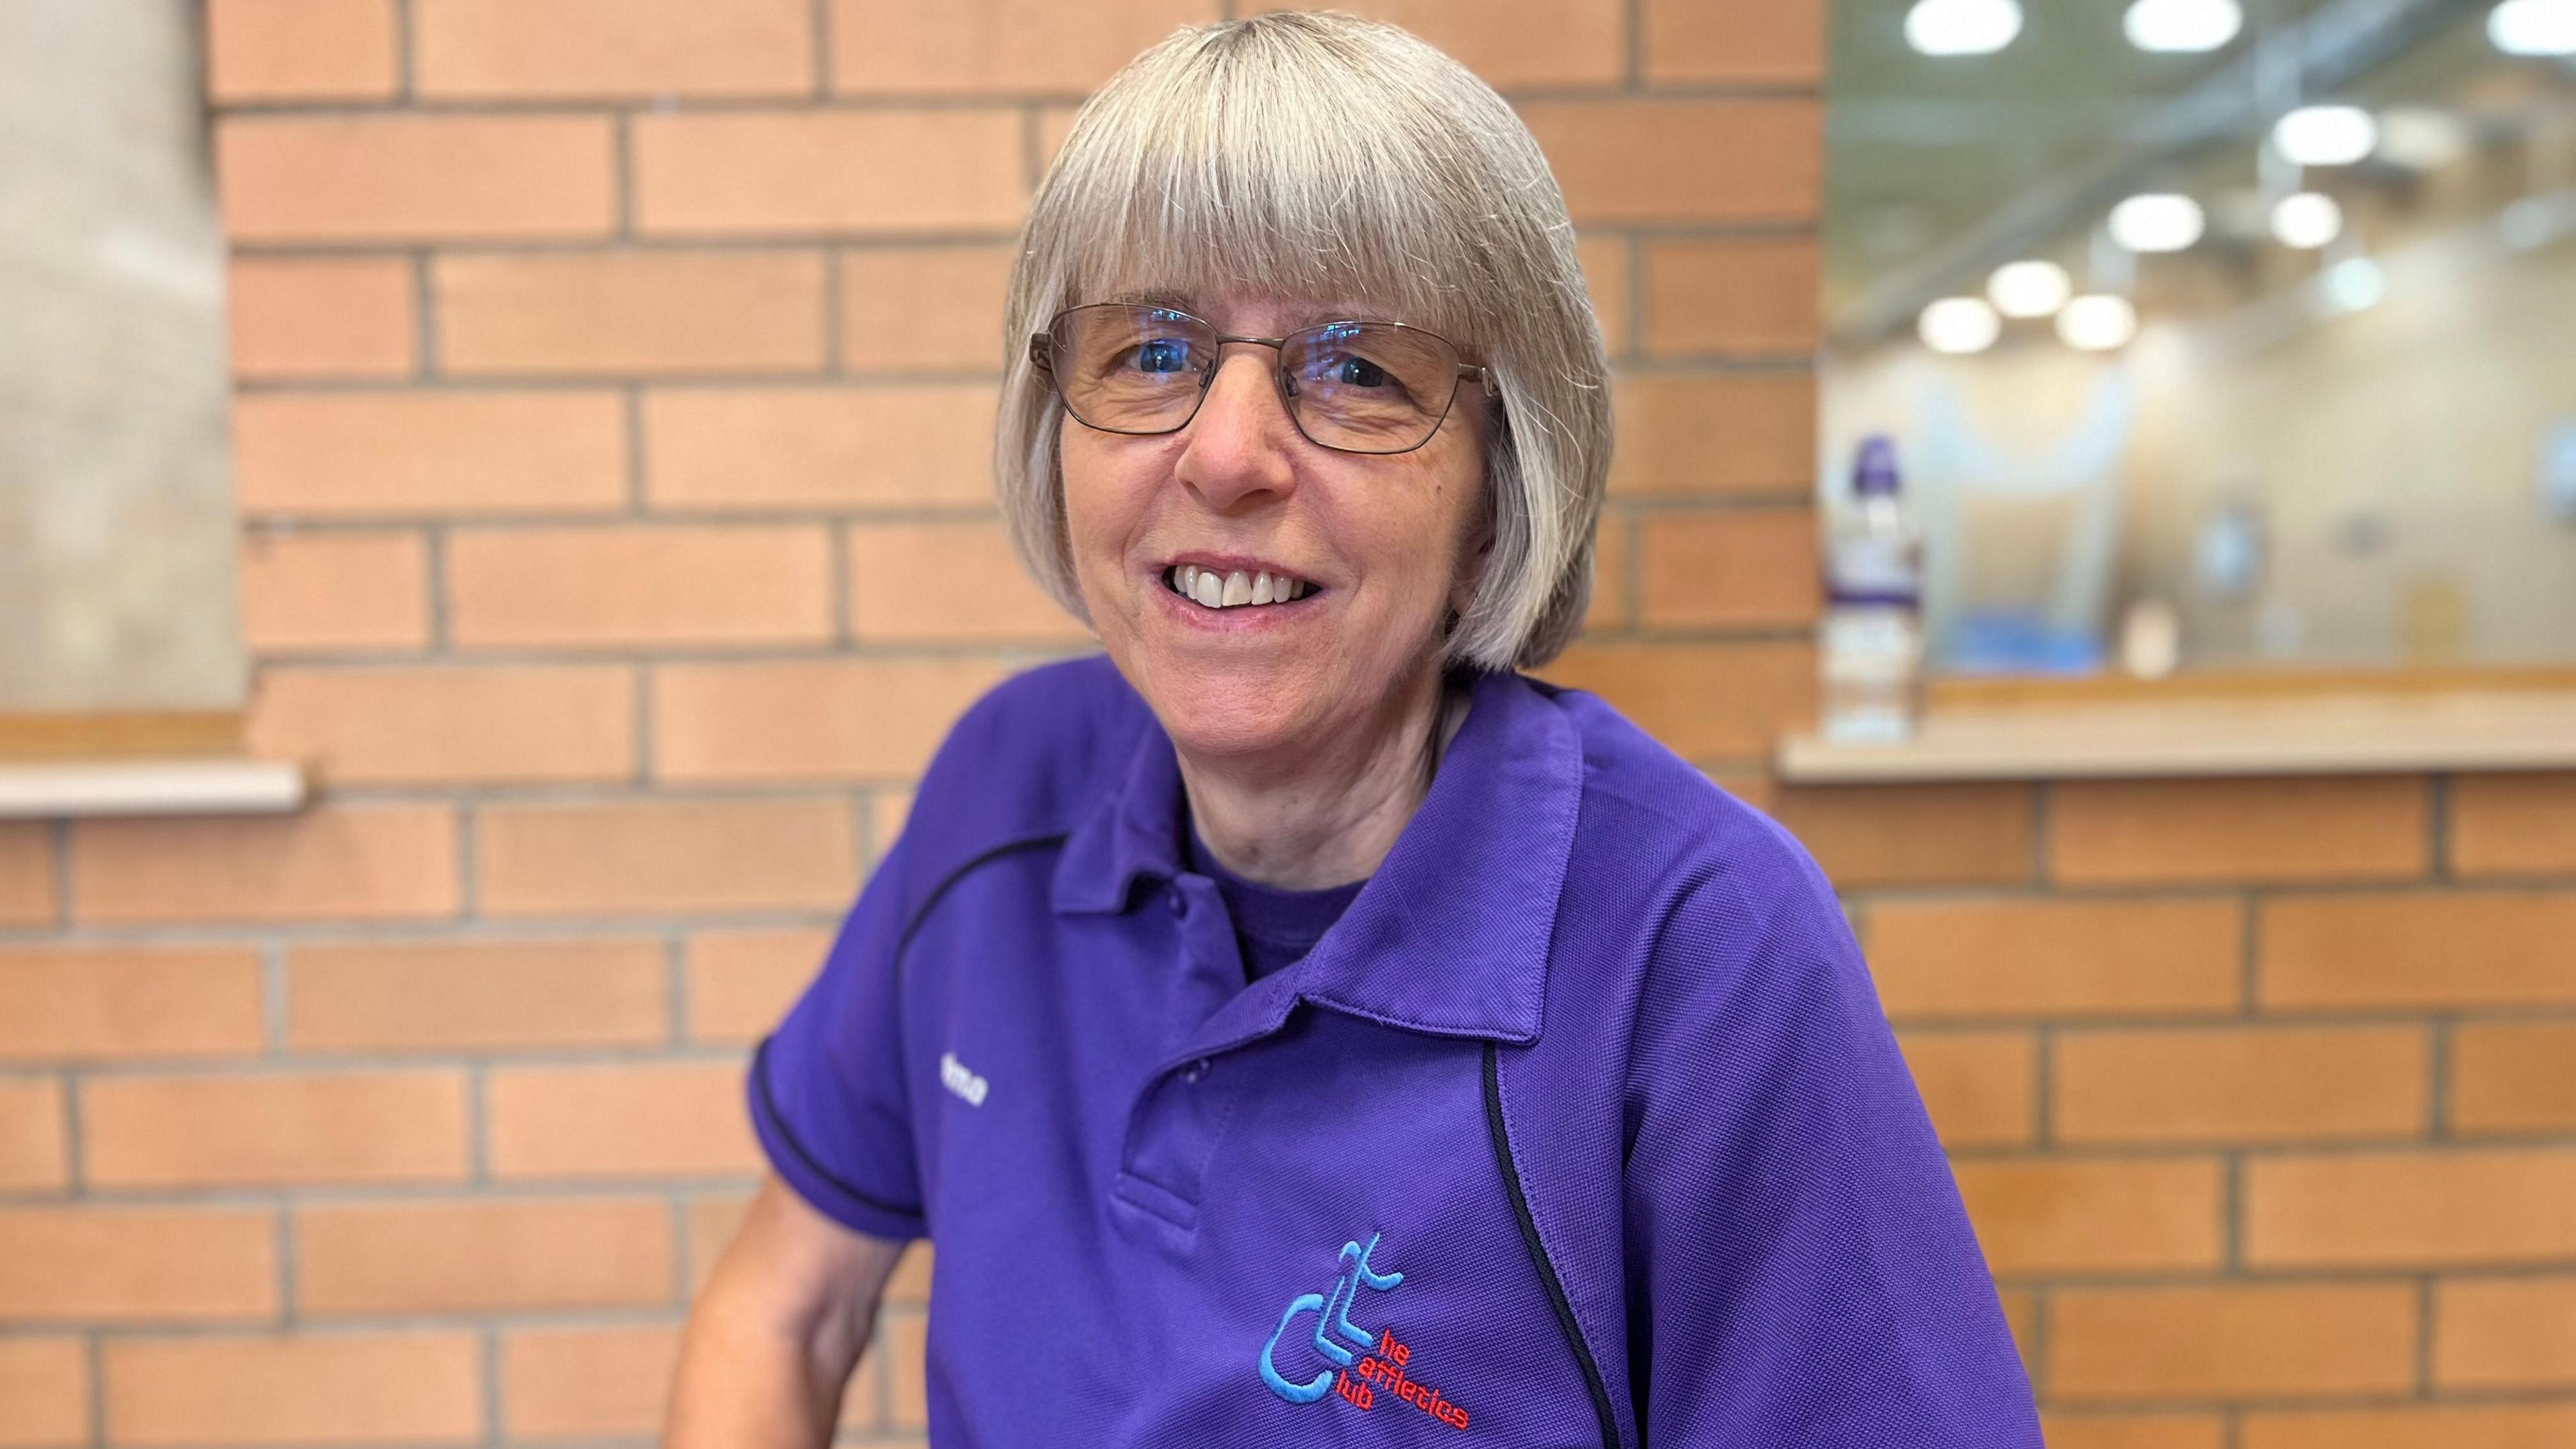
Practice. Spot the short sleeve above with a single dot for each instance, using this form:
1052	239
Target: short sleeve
1801	1271
827	1090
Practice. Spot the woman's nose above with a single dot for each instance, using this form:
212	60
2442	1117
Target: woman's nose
1241	441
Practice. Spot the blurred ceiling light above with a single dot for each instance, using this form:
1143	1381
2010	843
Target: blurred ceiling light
2029	289
2183	25
1962	27
1959	325
2157	221
2097	323
2354	284
2534	27
2325	135
2421	138
2306	220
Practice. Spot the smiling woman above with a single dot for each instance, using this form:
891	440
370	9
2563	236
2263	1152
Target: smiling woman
1302	940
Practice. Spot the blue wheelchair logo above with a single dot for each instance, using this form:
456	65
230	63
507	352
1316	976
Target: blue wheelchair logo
1332	1320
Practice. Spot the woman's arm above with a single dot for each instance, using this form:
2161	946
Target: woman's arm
777	1329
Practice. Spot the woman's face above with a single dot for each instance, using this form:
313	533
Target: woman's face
1380	545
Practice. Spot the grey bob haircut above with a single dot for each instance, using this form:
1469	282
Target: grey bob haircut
1326	156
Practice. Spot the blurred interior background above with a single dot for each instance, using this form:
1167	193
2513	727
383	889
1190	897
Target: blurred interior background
494	513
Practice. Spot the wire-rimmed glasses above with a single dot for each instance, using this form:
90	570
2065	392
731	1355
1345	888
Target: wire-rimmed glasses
1357	387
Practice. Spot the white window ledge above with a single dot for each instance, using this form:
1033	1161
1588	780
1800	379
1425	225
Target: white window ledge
151	787
2275	735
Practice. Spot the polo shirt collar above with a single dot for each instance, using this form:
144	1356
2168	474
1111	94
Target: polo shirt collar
1450	935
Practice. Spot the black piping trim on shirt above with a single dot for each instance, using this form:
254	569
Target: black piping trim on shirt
787	1134
921	913
1538	1254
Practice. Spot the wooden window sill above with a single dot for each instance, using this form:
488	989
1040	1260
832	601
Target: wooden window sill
56	767
2254	733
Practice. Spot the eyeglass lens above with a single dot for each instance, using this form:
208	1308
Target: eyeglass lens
1363	387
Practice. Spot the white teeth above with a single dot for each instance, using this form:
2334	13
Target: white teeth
1213	590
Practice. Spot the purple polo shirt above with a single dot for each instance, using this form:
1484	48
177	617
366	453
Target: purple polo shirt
1580	1127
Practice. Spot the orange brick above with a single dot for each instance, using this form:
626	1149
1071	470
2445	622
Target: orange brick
678	1118
909	1286
27	880
33	1149
655	857
2295	829
45	1383
741	982
87	1003
370	454
587	1383
449	725
1728	568
986	46
1608	612
1604	259
512	49
903	1340
1735	434
2513	824
732	448
324	591
1514	42
825	719
415	177
256	1130
2093	1214
887	812
651	313
347	863
2505	1333
708	1225
1948	834
304	1388
2132	1431
2034	957
1643	160
1978	1086
2431	1209
632	586
498	1255
2415	950
1737	296
2513	1076
2231	1341
299	50
475	995
1737	42
2021	1319
137	1264
952	580
2241	1084
921	309
2502	1426
893	172
321	317
1701	700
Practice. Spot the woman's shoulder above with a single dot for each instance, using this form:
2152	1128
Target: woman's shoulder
1029	759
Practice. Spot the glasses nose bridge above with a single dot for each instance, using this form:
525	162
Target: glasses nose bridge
1281	382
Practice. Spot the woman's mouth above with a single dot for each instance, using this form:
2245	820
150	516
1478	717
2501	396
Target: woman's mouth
1232	589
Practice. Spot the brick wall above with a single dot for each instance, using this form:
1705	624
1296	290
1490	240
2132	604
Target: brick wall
615	378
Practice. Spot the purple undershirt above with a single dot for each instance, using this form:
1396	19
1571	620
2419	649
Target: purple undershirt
1272	927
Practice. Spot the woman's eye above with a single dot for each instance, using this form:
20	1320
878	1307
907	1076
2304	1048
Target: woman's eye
1163	354
1358	372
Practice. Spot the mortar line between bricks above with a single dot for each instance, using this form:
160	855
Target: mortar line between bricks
2043	1305
2231	1429
818	30
2437	1094
2249	952
675	990
835	363
2044	1086
487	1355
1632	46
1033	157
1633	256
639	680
2231	1208
676	1208
58	842
425	349
2424	1316
467	823
272	998
289	1315
406	56
75	1155
433	544
478	1135
2043	809
2437	828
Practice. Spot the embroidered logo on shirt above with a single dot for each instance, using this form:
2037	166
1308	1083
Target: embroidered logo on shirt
954	1076
1353	1379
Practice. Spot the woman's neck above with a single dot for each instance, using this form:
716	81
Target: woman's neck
1327	816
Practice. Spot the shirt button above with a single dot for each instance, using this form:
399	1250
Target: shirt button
1197	1070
